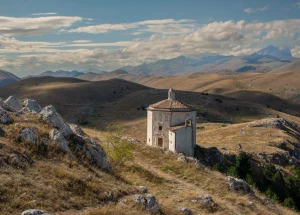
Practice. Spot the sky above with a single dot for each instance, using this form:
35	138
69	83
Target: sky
85	35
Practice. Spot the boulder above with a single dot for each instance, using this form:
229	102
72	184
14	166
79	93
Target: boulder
185	211
239	186
206	201
5	106
14	103
59	140
148	201
34	212
29	135
96	154
77	129
5	117
50	115
32	105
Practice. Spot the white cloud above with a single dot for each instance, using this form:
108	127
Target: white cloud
81	41
229	38
34	26
43	14
249	10
252	10
166	26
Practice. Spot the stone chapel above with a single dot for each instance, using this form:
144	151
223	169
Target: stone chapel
171	125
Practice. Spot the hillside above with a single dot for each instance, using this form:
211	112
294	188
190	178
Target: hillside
7	78
70	185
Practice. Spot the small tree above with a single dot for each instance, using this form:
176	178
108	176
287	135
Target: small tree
117	149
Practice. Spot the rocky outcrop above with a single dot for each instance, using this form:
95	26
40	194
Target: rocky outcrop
32	105
50	115
5	106
95	154
239	186
29	135
14	103
34	212
148	201
77	129
5	117
59	140
272	123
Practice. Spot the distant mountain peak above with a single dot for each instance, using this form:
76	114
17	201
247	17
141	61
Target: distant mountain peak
274	51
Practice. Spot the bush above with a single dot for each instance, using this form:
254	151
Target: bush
243	165
272	195
290	203
232	171
118	149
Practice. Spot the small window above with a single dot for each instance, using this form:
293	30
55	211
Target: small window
160	128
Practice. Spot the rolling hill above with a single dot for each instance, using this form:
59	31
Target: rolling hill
7	78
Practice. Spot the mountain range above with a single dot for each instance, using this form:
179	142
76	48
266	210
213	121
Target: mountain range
265	60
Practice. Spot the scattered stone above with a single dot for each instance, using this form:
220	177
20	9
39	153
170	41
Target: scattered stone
50	115
109	196
59	140
239	186
239	146
182	159
32	105
268	201
17	160
142	189
14	103
77	129
5	117
206	201
272	123
148	201
185	211
34	212
192	160
29	135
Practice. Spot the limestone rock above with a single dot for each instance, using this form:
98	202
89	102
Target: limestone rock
5	117
185	211
50	115
29	135
59	140
5	106
239	186
14	103
206	201
148	201
96	154
34	212
77	129
32	105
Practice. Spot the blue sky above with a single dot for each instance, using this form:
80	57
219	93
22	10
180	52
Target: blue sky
71	34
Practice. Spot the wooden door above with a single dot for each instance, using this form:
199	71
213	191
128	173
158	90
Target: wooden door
160	142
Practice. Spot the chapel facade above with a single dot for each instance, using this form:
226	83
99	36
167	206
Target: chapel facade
171	125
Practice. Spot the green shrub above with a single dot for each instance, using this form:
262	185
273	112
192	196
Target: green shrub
232	171
272	195
290	203
117	148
